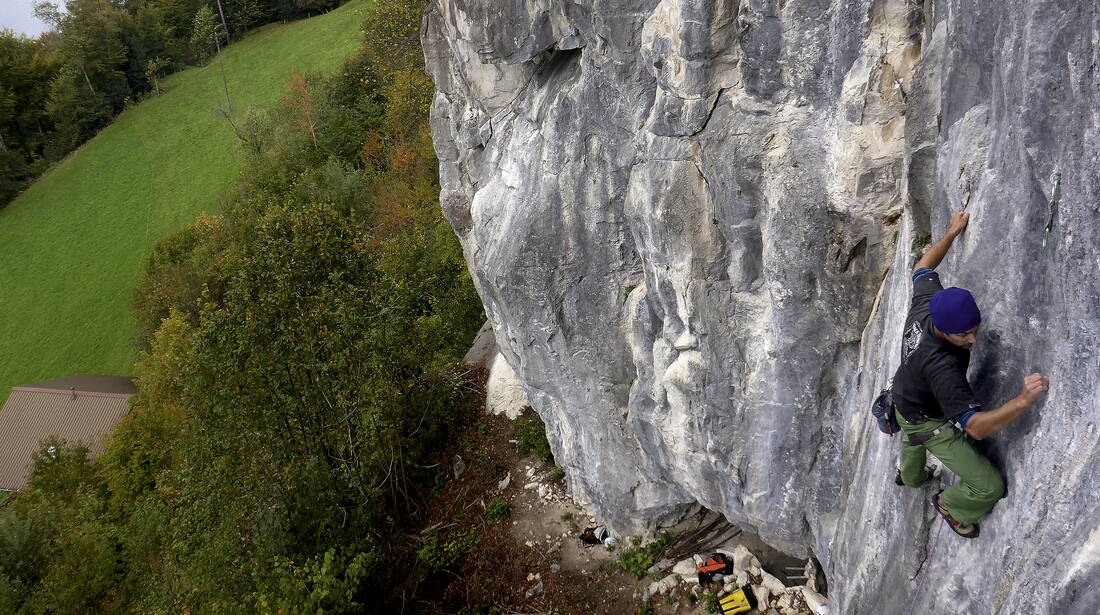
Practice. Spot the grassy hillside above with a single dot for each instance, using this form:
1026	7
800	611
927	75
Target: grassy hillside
71	246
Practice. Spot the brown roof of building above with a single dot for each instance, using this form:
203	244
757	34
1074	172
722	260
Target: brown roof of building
89	384
37	412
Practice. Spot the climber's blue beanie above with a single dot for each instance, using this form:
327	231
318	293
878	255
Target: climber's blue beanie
954	310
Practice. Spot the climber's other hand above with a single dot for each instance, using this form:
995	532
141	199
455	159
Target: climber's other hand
1034	385
959	222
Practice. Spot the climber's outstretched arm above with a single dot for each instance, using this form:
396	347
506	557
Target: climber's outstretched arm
935	254
985	424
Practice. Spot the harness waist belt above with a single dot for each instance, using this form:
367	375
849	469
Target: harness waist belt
920	438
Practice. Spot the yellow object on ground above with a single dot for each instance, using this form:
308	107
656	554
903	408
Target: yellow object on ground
740	601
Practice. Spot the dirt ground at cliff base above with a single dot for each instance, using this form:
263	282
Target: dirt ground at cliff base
531	560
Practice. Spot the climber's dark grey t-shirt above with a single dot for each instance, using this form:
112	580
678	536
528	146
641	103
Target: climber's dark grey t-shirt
931	379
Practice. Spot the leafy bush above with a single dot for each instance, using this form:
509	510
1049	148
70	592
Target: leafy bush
711	603
179	270
61	472
497	509
446	552
21	552
322	584
920	241
530	435
143	443
636	559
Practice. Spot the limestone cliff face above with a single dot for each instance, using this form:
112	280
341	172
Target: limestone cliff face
692	222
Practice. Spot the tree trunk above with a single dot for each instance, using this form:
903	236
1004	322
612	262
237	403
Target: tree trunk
225	83
3	146
86	79
224	24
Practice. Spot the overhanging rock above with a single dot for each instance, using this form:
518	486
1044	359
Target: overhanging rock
691	224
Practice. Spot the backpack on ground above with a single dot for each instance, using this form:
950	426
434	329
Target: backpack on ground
594	535
885	413
716	564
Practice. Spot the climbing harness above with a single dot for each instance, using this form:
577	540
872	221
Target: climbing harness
1055	194
921	438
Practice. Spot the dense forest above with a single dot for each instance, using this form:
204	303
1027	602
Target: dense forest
299	371
58	90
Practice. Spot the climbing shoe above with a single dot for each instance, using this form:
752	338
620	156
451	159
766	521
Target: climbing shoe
966	531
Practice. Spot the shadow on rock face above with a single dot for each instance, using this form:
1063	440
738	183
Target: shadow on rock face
995	377
989	352
986	381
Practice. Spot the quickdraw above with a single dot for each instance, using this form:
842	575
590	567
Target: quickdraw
1055	195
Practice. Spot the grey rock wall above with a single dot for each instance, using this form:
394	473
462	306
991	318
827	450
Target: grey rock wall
691	223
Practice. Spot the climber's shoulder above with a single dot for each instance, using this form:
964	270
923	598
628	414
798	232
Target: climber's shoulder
926	282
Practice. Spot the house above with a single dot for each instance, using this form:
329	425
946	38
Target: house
77	409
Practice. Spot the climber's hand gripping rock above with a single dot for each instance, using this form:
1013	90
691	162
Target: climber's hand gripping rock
1034	385
958	222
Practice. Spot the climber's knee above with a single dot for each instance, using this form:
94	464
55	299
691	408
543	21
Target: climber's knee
990	488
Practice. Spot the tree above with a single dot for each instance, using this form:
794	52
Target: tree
92	52
247	14
300	99
13	175
90	38
314	5
7	112
178	17
225	25
148	38
26	68
396	24
152	69
77	112
49	13
206	35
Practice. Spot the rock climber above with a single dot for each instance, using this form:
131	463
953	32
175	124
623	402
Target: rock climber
936	406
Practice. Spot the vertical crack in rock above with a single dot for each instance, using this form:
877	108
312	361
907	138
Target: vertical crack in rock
693	241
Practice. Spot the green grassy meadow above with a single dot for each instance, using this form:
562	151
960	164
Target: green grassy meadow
72	245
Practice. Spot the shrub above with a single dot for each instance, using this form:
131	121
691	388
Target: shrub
143	442
711	604
636	559
497	509
179	270
920	241
21	552
322	584
530	435
60	472
446	552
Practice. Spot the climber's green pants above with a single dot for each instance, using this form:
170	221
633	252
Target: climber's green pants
980	484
